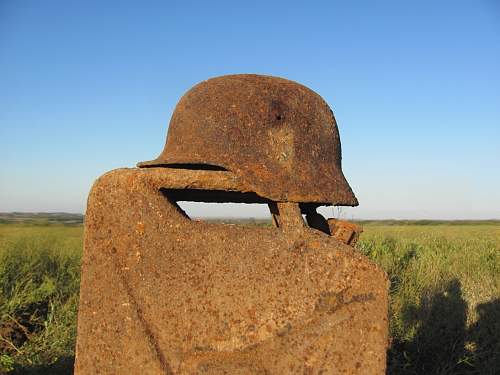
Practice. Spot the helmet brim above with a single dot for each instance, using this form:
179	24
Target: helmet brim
341	184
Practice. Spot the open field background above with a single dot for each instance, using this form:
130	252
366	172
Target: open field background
445	293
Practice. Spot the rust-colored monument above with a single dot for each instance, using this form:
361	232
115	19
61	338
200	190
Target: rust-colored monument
162	294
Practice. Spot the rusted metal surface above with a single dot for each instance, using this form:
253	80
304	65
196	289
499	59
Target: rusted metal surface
345	231
280	137
163	294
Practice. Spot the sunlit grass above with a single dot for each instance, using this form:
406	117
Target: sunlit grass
444	313
445	296
39	281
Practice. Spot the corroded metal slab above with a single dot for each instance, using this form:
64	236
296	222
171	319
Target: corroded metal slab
161	294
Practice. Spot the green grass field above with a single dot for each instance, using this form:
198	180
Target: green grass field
445	295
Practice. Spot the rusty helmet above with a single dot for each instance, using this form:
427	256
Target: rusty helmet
279	137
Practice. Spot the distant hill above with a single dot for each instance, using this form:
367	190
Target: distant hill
41	218
47	218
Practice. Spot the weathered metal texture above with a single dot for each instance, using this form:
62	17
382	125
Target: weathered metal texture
280	137
161	294
345	231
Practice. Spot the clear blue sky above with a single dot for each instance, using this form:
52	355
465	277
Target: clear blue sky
86	87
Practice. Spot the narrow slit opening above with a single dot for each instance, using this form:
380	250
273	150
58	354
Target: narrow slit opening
196	167
224	207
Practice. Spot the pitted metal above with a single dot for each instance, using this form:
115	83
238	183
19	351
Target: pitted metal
278	136
164	294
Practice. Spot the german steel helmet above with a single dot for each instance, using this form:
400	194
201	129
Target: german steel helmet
279	137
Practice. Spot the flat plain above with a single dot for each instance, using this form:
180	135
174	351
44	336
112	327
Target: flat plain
444	309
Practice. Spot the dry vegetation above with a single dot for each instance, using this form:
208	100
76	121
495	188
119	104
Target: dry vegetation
445	295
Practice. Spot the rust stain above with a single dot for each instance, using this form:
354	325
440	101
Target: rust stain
140	228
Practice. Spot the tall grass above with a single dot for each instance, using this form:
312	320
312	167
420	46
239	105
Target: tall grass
445	296
39	281
444	311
